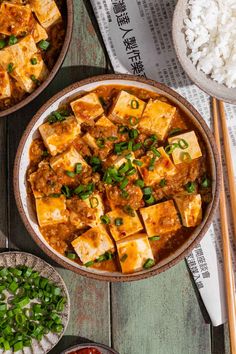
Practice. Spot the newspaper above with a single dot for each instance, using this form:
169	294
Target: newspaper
138	38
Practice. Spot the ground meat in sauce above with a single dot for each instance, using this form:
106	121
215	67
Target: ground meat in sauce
60	236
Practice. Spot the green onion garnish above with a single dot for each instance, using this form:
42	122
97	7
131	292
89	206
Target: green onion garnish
123	129
174	131
137	146
118	221
128	210
33	61
123	258
89	264
183	144
162	182
10	67
154	238
170	148
152	164
2	43
12	40
123	168
139	183
105	219
205	182
149	199
66	191
78	168
149	263
133	121
100	142
56	117
149	142
134	104
131	172
190	187
147	190
156	152
94	202
124	194
124	183
130	145
71	255
133	133
137	162
70	174
44	44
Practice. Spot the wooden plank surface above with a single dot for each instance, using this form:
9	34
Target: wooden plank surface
155	316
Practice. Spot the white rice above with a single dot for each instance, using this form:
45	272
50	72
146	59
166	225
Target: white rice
210	31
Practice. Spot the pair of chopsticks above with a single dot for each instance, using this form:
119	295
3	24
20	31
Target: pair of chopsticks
219	116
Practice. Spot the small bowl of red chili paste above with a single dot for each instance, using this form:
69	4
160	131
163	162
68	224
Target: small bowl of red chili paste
89	348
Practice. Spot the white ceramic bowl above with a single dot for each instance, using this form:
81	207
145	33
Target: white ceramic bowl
22	161
202	80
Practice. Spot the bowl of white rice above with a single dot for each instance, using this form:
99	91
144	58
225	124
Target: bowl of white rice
204	35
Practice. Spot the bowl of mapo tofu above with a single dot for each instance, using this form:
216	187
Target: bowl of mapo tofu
117	177
34	39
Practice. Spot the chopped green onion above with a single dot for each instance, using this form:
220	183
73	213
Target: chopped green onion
123	168
95	160
133	133
56	117
100	143
124	257
152	164
2	43
154	238
66	191
174	131
78	168
85	195
119	221
128	210
124	183
12	40
149	199
151	141
123	129
149	263
112	138
170	148
133	121
124	194
44	44
137	162
94	202
79	189
105	219
33	61
185	157
70	174
183	144
71	255
89	264
162	182
205	182
156	152
10	67
130	145
190	187
134	104
137	146
131	172
139	183
147	190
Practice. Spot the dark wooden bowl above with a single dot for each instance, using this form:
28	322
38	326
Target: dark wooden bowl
69	17
24	203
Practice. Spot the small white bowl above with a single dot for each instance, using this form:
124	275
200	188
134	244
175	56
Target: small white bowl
202	80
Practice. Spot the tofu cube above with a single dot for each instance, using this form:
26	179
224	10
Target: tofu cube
156	118
133	252
193	148
160	218
51	211
127	107
5	86
90	141
58	136
190	208
104	122
39	33
130	225
46	12
87	107
67	160
14	18
92	207
92	244
163	168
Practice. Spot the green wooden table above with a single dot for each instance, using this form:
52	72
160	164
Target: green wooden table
161	315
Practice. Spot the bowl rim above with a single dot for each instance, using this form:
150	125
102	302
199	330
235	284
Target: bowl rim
152	271
55	68
176	28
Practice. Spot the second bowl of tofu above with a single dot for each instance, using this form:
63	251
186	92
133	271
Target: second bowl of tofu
34	39
117	177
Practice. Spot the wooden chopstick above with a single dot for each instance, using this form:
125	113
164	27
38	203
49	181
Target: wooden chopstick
229	165
228	265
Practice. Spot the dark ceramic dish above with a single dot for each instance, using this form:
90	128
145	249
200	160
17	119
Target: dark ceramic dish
68	14
103	349
26	209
